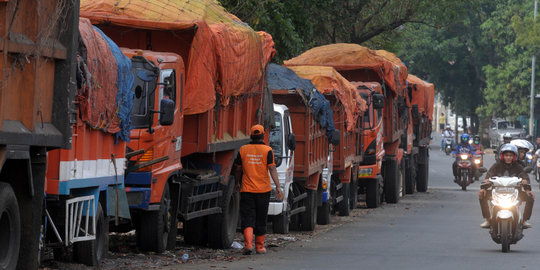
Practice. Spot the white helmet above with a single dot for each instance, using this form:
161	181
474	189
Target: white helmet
508	148
507	136
522	144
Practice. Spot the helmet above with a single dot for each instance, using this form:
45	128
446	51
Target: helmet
507	136
508	148
522	144
465	138
476	139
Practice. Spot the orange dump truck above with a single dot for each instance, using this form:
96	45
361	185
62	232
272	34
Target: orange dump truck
360	64
421	95
348	109
206	69
37	69
85	184
307	199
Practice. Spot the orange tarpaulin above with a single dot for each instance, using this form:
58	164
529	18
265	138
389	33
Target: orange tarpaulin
97	96
423	95
328	80
344	56
226	56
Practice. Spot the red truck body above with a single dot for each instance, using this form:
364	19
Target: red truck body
348	108
37	68
311	154
360	64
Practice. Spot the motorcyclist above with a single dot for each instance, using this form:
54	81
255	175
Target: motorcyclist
523	147
476	143
447	133
507	166
507	137
464	146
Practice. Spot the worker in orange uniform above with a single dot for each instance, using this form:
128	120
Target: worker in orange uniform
255	160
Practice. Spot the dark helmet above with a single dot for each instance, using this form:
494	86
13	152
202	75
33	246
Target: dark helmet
509	148
465	138
476	139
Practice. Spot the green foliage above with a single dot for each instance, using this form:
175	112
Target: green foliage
299	25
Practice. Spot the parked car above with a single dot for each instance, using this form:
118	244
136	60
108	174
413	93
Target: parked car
499	127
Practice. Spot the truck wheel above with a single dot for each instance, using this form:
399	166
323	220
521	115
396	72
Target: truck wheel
222	227
410	182
308	219
323	213
353	197
10	227
373	192
196	231
154	227
391	182
280	223
173	230
344	208
91	252
422	177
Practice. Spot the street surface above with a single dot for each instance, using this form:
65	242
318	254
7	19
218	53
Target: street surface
434	230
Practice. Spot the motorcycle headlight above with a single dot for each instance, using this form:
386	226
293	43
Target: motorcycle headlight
477	161
464	156
505	200
529	156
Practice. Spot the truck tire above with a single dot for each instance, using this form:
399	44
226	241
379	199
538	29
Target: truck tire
308	219
353	197
196	231
222	227
410	171
173	231
323	213
344	207
91	252
422	177
391	181
154	226
10	227
373	192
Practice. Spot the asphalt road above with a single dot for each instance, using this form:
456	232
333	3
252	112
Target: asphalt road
434	230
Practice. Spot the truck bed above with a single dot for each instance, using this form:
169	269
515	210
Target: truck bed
37	68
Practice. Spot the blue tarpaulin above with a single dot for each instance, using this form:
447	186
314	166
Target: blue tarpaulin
280	77
124	96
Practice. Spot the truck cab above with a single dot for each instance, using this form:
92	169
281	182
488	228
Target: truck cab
282	141
155	148
369	171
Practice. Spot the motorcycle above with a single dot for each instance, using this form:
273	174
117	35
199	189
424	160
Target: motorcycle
506	226
464	169
478	162
448	142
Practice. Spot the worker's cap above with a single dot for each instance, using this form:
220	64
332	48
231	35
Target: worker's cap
257	130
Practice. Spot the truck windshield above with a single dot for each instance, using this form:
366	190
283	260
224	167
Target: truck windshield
508	124
276	138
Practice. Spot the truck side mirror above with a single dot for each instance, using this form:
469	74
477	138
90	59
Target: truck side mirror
166	117
291	143
378	101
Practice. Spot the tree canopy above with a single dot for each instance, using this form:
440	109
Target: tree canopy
476	52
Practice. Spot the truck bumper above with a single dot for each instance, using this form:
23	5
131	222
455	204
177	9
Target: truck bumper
368	171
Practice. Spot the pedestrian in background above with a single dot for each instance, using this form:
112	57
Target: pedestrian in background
442	122
253	163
